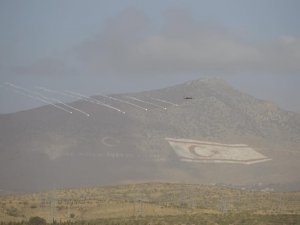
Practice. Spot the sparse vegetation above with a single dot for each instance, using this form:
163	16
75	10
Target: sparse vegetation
153	203
201	219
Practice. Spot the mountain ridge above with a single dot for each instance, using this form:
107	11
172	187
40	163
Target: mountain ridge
43	146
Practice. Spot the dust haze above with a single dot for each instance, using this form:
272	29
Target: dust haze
149	112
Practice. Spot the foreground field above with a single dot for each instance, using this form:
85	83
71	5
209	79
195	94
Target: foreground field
154	203
201	219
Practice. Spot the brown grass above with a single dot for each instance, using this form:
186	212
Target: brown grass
148	199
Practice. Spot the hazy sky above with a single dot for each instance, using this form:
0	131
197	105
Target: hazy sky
116	46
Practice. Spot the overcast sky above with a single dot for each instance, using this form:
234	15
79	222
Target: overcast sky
96	46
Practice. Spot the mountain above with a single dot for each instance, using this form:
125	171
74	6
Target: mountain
46	147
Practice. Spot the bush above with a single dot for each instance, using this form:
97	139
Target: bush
37	221
12	212
33	206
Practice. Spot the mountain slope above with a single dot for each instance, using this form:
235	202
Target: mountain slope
44	147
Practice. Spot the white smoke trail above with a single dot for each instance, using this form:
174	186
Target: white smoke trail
93	100
79	97
123	101
17	90
49	98
59	101
164	101
57	92
69	106
149	103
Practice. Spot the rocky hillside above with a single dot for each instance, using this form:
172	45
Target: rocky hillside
46	147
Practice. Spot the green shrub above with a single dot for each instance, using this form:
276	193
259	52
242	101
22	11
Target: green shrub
12	212
37	221
33	206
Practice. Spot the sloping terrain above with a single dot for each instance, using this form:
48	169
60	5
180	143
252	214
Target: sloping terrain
44	148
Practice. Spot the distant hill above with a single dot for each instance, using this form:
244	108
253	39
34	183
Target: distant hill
45	147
